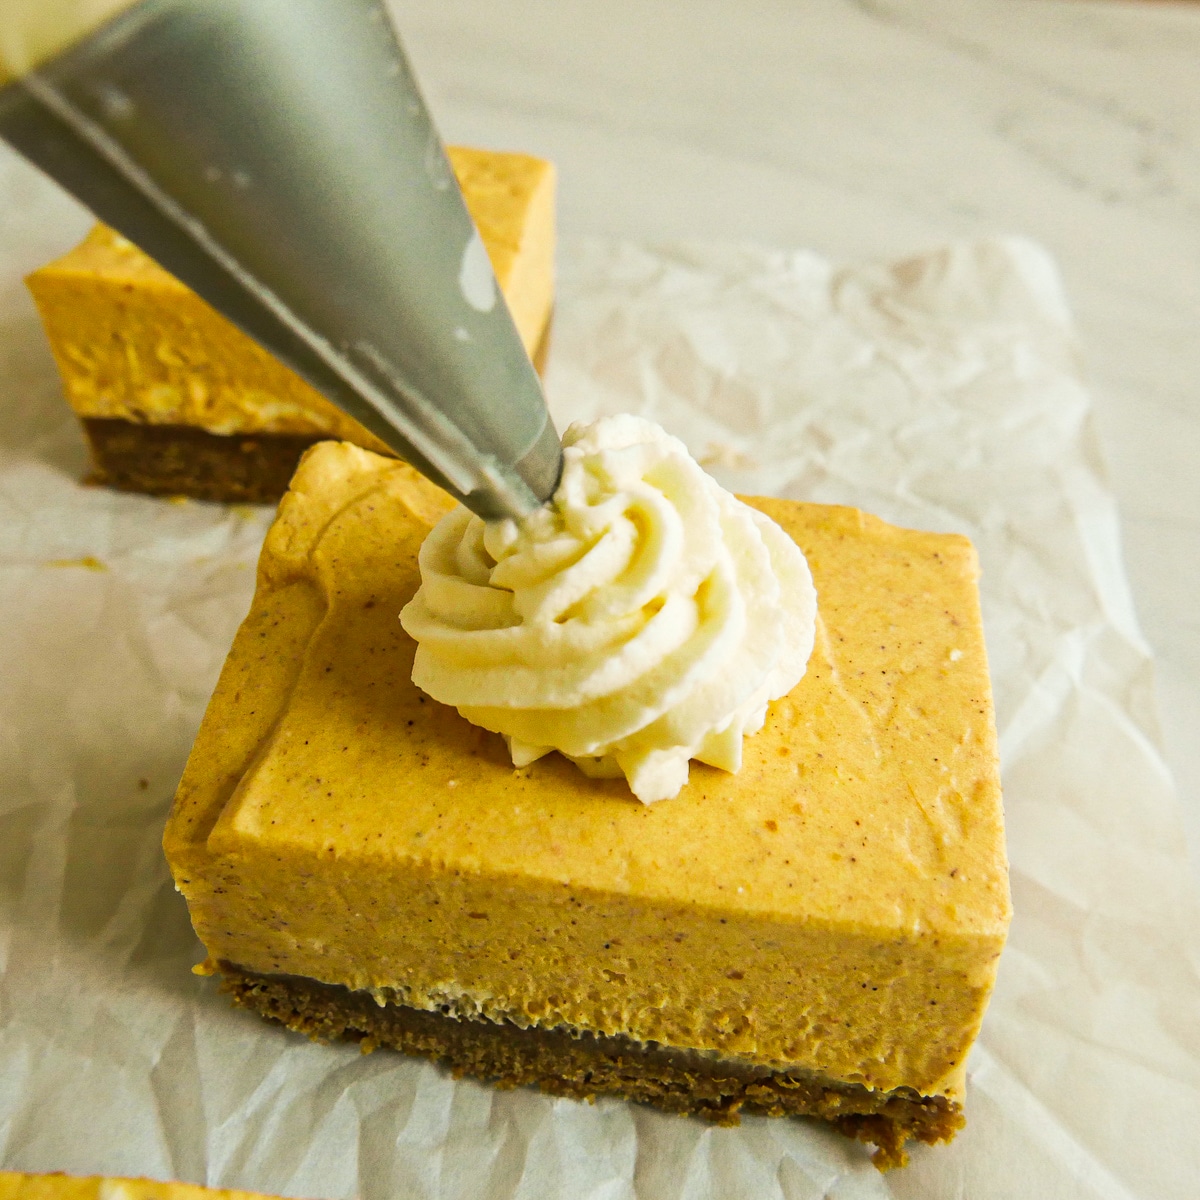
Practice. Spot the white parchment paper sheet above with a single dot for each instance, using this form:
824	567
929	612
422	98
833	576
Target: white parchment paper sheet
943	393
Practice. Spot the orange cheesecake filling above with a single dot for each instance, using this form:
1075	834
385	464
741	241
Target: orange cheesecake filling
17	1185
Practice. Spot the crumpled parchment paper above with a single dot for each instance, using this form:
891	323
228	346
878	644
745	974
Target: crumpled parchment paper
944	393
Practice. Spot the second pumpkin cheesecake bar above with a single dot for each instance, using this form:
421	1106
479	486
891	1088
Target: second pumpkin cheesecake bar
175	400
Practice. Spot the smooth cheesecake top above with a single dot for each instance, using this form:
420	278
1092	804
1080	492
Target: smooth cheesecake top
871	798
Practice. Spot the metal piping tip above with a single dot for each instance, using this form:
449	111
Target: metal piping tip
524	488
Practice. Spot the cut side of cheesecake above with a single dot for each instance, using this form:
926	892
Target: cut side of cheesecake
817	934
175	400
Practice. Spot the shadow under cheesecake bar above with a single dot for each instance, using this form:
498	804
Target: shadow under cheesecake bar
817	934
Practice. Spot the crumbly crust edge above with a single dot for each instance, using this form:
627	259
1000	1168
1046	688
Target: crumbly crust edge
188	460
582	1066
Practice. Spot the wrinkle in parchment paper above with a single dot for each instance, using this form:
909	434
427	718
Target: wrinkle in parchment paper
944	393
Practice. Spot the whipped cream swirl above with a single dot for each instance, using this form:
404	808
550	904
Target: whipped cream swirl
643	618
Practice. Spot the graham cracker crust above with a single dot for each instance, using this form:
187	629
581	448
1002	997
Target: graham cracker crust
187	460
583	1065
184	460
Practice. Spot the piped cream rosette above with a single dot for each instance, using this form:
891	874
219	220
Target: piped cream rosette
643	618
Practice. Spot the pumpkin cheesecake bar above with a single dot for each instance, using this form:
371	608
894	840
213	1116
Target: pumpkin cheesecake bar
175	400
817	934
